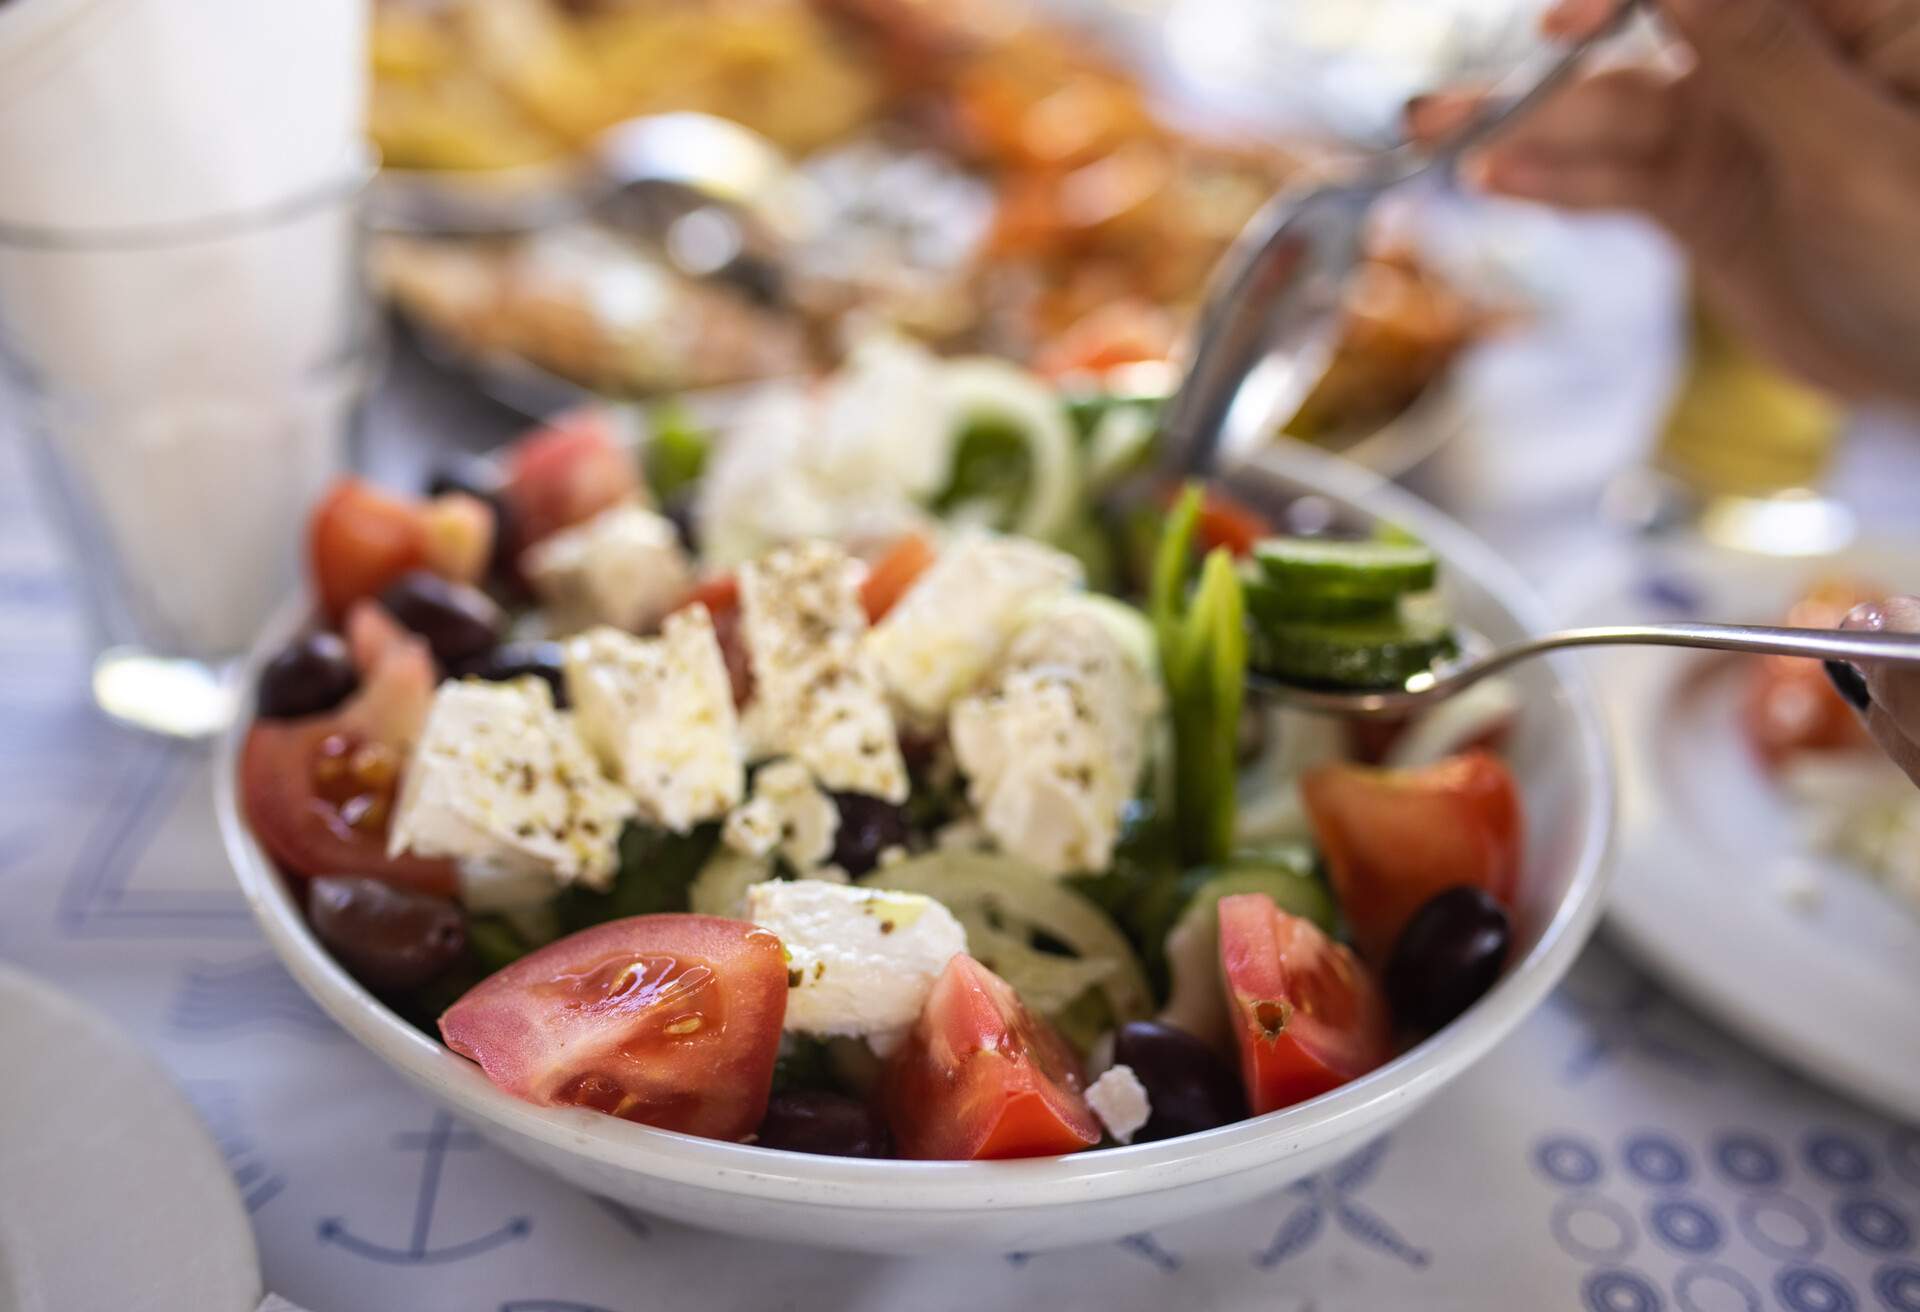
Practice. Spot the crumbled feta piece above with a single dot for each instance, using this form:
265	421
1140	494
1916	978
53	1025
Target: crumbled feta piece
659	714
503	782
1053	749
860	961
787	815
1120	1101
946	633
850	460
816	696
624	567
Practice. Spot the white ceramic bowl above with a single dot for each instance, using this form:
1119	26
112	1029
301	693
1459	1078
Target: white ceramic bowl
1559	757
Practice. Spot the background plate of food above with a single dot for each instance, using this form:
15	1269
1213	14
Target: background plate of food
1770	855
978	179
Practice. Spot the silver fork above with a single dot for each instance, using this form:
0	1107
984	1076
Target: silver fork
1278	291
1479	660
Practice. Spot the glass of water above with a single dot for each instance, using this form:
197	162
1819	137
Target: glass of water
188	392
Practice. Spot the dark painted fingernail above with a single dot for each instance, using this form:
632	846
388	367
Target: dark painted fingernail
1850	684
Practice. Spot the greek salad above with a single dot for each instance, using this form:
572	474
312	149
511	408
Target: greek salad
877	776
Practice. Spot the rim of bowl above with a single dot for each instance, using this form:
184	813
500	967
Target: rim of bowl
773	1175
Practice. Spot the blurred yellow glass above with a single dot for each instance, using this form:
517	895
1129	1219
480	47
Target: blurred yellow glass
1752	447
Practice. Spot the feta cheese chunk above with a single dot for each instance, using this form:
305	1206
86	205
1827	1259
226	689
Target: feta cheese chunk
502	781
787	815
1120	1101
658	712
624	567
1053	749
851	458
861	961
947	632
816	696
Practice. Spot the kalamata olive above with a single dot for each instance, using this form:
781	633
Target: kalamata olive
1189	1086
388	938
679	511
868	827
459	622
478	478
512	660
1449	954
313	674
826	1124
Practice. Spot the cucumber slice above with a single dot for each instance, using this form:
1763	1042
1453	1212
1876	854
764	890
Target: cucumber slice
1286	875
1272	606
1380	571
1376	653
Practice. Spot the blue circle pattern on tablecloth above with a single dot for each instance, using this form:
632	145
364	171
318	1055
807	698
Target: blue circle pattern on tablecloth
1897	1284
1656	1159
1752	1216
1566	1160
1615	1290
1748	1160
1568	1214
1693	1287
1873	1224
1838	1158
1813	1289
1686	1226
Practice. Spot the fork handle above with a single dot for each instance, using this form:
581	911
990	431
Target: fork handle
1757	639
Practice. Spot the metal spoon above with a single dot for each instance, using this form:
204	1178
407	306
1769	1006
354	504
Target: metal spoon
717	198
1277	295
1479	660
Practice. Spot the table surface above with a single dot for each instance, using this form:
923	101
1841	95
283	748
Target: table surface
1616	1154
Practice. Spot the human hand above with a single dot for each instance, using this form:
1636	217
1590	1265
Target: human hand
1893	713
1786	160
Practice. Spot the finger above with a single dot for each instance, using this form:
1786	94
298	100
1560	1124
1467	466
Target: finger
1622	112
1893	740
1440	114
1574	184
1775	67
1571	20
1895	688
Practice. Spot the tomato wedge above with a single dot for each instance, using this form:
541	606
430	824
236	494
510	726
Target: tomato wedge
318	792
721	596
1395	838
982	1077
360	540
891	575
1791	706
1225	522
1307	1016
670	1020
566	473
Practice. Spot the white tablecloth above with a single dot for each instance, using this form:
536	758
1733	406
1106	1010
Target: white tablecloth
1617	1154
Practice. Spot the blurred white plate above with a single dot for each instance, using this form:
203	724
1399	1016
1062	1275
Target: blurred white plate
112	1194
1710	845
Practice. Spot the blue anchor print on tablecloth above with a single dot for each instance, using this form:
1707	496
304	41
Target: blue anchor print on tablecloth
218	1103
1329	1196
1623	1024
222	999
1837	1158
434	1145
95	900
